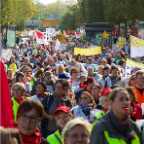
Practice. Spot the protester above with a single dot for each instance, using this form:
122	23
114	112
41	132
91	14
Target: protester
88	83
18	92
104	103
76	131
86	107
96	92
132	81
51	103
139	87
29	116
102	80
74	72
10	74
62	116
92	74
10	136
113	80
41	92
136	109
116	122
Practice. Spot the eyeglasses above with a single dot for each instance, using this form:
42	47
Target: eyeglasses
58	88
33	119
84	98
74	72
76	136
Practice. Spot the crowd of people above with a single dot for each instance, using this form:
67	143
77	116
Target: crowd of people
61	98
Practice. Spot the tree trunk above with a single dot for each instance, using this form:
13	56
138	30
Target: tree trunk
119	30
125	29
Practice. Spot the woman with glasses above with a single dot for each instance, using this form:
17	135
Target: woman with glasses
29	116
62	116
74	72
86	107
51	103
76	131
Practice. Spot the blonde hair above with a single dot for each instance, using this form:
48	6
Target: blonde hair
101	67
101	99
76	122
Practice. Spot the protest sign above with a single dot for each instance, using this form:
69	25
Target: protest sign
137	47
130	64
87	52
13	67
121	42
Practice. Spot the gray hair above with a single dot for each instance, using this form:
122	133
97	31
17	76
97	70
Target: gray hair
23	87
74	122
90	68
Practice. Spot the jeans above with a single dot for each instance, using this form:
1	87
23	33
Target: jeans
46	133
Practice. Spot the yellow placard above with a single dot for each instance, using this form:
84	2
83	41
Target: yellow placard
45	22
121	42
136	42
54	22
13	67
87	51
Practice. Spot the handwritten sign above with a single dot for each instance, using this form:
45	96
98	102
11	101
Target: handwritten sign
86	51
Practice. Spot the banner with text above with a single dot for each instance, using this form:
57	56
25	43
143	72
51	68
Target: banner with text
87	51
130	64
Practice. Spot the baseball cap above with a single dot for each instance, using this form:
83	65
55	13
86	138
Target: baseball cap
64	109
48	74
105	91
64	76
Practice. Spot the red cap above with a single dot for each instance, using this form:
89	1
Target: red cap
62	108
105	91
33	55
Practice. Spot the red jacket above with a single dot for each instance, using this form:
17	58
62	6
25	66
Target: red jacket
137	111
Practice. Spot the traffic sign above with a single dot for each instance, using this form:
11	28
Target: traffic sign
54	22
45	22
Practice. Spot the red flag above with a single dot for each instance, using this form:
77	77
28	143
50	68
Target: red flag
6	112
40	35
113	31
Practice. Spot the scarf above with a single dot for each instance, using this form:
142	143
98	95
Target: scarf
36	139
60	100
86	107
105	76
122	127
41	96
82	87
114	80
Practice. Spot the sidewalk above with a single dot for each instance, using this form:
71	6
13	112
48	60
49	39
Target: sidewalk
7	52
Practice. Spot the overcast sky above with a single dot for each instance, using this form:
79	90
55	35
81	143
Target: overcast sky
48	1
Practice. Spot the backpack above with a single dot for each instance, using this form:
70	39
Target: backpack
49	101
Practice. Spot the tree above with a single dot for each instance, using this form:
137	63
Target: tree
70	19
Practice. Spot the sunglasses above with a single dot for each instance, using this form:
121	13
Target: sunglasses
84	98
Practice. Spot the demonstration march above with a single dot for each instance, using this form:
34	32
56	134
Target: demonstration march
72	72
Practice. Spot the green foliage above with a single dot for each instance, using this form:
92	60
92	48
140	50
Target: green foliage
21	25
70	19
91	11
13	11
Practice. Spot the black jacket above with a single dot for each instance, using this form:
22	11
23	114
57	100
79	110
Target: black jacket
44	141
106	123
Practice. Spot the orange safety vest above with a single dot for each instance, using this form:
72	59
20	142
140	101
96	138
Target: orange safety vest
140	98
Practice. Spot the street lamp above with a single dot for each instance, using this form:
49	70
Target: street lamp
39	16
